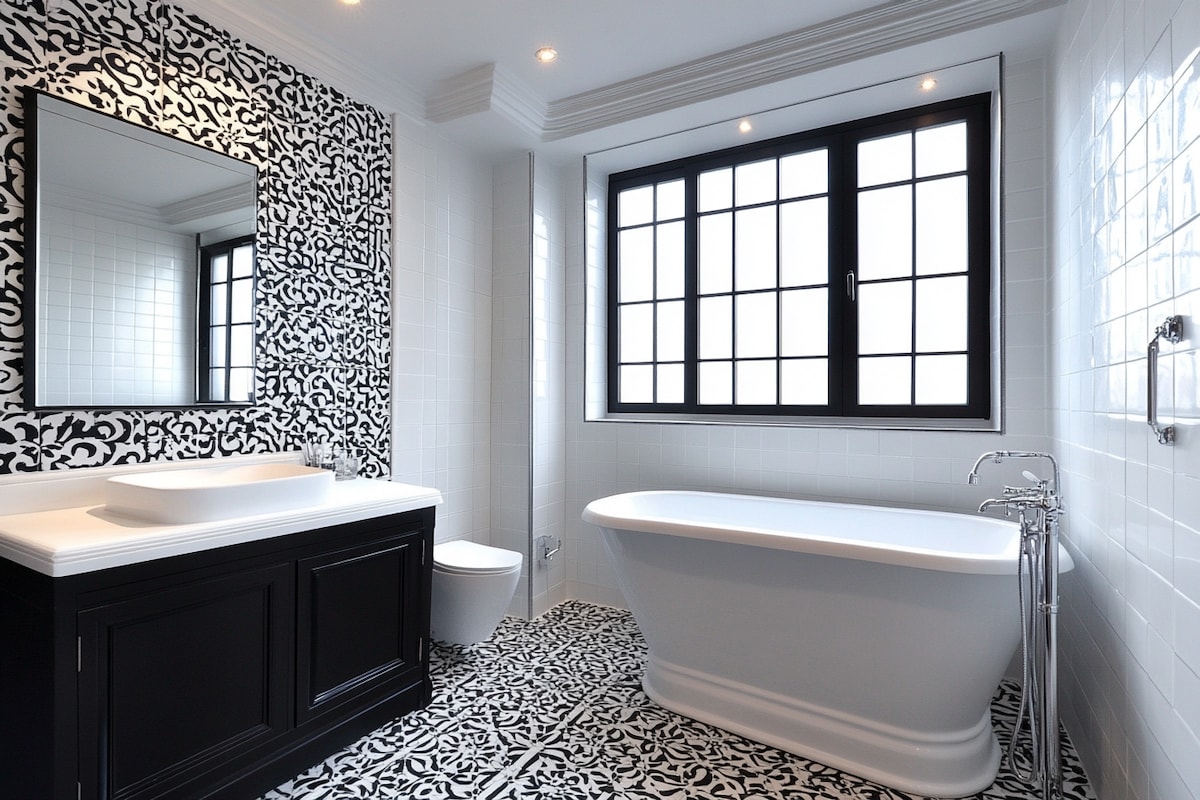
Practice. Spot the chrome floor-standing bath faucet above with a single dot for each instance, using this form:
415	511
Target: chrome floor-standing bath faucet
1038	507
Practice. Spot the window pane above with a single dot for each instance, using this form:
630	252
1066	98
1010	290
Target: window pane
716	383
220	268
670	332
756	383
716	253
755	240
220	308
715	190
242	302
217	345
635	206
637	384
804	242
804	174
756	325
805	322
243	261
635	264
942	149
716	327
885	318
942	380
669	268
670	200
805	382
637	332
885	160
942	314
755	182
670	383
885	233
241	345
241	383
885	381
216	384
942	226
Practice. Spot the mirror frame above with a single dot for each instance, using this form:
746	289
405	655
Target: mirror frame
35	105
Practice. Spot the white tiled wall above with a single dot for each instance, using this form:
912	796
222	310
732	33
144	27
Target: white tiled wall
120	312
548	381
512	354
1125	254
926	469
442	327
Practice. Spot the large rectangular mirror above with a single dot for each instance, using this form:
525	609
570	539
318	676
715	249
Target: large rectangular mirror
140	277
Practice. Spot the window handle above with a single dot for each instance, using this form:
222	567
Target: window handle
850	285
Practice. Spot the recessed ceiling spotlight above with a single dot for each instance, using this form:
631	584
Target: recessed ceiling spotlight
351	2
744	126
545	55
928	84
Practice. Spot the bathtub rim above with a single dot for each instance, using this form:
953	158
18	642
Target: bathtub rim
605	512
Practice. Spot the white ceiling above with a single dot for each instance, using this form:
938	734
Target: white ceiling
467	66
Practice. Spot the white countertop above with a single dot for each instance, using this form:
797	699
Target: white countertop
85	538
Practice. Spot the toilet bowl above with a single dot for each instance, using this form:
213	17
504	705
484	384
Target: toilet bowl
472	587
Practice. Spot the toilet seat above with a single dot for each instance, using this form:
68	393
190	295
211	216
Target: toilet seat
461	557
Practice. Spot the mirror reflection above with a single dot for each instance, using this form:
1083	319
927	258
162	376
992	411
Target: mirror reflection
143	272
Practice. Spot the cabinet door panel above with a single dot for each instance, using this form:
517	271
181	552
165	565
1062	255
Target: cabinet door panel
177	680
359	632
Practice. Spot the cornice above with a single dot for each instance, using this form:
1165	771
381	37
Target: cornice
487	88
888	27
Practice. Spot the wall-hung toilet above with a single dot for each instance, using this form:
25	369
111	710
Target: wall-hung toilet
472	587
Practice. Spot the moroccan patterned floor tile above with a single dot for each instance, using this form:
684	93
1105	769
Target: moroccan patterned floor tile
554	708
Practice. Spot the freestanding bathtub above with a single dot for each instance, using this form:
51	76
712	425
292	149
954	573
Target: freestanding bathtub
869	639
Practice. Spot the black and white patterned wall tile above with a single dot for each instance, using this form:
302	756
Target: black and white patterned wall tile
365	346
194	46
368	291
91	439
160	66
554	708
300	338
20	441
24	31
131	25
298	283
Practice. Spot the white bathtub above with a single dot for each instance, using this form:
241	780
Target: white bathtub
868	639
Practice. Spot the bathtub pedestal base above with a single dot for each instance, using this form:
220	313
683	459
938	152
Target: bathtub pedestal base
941	764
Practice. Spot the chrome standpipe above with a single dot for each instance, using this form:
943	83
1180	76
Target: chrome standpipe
1038	507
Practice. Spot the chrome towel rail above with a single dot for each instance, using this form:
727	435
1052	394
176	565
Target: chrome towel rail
1172	330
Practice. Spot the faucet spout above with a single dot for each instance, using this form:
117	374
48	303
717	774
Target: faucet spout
997	456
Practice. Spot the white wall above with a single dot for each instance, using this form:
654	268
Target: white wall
925	469
1125	254
512	488
548	380
442	327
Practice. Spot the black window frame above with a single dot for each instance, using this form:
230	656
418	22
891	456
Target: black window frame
841	142
204	319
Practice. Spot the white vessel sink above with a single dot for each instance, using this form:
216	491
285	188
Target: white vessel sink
182	496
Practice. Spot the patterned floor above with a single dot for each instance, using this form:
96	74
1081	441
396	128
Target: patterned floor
554	708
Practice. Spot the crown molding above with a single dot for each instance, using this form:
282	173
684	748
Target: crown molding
487	88
894	25
277	34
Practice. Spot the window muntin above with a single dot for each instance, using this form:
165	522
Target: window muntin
844	272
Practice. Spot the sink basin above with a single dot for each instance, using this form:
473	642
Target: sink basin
182	496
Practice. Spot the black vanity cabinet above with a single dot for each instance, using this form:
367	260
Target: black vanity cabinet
217	674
